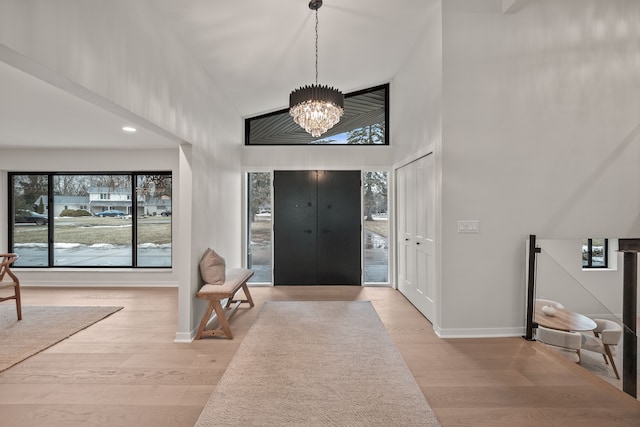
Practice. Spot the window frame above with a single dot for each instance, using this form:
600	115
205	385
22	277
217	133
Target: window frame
389	236
131	197
247	234
590	255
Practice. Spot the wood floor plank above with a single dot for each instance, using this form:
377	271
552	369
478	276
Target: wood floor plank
111	375
496	417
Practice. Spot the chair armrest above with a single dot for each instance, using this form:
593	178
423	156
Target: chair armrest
611	336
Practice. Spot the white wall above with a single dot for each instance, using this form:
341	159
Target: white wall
541	135
416	120
416	94
317	157
125	55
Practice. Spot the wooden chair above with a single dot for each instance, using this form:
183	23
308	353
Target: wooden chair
9	280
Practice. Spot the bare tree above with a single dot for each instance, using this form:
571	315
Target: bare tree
260	191
375	193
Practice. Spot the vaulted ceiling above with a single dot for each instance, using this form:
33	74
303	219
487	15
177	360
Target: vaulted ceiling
257	52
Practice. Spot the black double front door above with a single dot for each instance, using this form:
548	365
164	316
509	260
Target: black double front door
317	219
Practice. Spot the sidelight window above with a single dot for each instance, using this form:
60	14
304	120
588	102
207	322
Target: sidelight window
259	226
376	226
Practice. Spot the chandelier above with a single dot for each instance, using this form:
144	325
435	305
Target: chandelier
316	108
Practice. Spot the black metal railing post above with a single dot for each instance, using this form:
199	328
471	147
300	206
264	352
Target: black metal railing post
531	284
630	247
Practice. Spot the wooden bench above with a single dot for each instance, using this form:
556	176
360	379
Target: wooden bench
236	279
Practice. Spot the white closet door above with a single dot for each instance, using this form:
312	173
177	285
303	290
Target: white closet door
406	230
416	232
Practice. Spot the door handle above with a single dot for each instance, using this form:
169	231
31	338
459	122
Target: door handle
308	231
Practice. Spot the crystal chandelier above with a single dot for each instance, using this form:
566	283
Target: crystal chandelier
316	108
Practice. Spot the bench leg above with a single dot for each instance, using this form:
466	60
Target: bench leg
224	323
245	288
205	320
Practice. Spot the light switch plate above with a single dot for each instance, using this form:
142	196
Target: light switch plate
469	226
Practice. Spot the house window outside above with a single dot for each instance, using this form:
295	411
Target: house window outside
86	229
595	253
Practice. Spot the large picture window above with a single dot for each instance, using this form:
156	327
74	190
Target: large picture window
365	122
90	220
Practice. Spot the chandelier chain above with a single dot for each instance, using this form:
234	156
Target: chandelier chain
316	46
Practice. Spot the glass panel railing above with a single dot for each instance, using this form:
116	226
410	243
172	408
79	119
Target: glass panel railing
569	296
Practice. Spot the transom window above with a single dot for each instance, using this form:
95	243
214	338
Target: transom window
365	122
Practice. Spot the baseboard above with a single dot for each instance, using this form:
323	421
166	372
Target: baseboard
95	284
185	337
480	332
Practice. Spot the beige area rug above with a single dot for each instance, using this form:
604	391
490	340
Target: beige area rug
317	363
41	327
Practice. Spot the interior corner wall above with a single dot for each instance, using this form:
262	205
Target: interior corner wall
123	52
541	135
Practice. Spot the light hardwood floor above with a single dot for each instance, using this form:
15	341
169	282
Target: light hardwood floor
127	371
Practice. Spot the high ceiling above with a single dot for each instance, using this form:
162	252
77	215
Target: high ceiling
36	114
257	52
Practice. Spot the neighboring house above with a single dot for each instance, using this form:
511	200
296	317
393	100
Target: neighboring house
155	206
102	199
61	203
105	198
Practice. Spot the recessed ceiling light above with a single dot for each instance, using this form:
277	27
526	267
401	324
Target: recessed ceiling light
128	129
